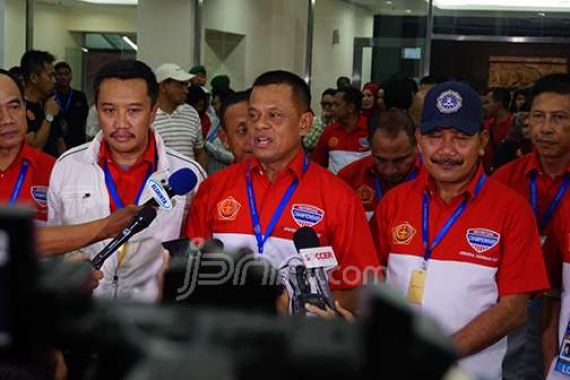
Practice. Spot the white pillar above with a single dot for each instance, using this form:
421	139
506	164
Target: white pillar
165	32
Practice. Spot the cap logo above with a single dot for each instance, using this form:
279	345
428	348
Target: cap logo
449	102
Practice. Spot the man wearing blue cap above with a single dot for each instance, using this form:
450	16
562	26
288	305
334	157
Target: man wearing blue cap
458	245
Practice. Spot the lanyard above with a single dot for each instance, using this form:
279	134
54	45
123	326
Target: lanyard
19	183
450	222
60	100
542	222
113	189
378	184
259	235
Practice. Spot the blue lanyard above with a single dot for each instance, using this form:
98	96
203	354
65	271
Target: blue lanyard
259	235
542	222
113	189
60	102
19	183
378	185
450	222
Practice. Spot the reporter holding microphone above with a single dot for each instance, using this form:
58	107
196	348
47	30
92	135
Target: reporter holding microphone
260	202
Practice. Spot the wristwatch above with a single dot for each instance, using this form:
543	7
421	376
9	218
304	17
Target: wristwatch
49	118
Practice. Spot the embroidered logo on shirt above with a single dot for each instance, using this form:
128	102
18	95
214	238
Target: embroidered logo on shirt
39	194
366	194
306	215
449	102
363	141
403	233
333	142
228	209
482	239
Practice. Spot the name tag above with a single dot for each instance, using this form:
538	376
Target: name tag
416	287
563	360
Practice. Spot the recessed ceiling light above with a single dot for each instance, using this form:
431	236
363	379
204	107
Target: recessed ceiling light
129	42
505	5
111	2
388	2
541	14
408	11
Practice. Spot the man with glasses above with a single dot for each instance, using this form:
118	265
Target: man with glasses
393	160
177	122
320	122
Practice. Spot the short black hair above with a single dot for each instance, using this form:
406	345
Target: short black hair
399	92
392	122
553	83
501	95
15	80
352	96
34	61
343	82
128	69
62	65
230	100
301	91
431	80
196	94
329	91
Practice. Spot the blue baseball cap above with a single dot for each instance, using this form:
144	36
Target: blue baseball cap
452	105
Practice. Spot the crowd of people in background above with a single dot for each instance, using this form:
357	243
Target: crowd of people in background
365	171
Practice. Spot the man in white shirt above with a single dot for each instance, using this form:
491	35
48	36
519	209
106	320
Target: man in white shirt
177	122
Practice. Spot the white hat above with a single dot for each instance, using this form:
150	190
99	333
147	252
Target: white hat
171	71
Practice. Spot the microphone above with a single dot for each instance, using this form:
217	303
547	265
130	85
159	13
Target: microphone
138	223
316	259
180	182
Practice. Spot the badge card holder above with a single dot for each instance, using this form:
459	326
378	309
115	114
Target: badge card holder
416	287
563	360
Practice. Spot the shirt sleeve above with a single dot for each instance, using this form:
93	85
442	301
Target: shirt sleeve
198	223
522	268
353	246
321	153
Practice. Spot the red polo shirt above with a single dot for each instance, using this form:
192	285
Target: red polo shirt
35	184
361	176
517	174
337	147
491	251
321	201
498	131
497	213
128	181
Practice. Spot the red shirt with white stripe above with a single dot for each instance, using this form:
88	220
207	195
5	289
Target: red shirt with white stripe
321	201
35	186
492	251
337	148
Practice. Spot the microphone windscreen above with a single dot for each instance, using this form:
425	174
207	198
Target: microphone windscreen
182	181
306	237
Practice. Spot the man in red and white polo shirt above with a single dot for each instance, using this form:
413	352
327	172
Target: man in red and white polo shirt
345	140
394	159
462	247
543	178
24	171
260	202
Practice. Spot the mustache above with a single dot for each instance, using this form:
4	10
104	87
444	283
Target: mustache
447	160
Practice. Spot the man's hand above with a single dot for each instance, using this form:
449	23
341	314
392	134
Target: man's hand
51	106
114	223
96	275
330	313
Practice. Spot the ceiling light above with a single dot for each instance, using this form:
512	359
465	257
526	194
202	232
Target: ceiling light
130	43
408	11
505	5
85	50
111	2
